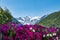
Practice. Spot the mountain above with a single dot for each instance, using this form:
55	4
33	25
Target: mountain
28	20
52	19
16	21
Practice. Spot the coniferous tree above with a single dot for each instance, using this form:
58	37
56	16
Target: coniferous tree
5	16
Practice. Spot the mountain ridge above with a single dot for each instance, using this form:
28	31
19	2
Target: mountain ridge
52	19
28	20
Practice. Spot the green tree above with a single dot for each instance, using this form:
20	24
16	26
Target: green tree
8	14
5	16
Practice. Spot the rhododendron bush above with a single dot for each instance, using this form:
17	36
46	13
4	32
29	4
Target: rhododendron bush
10	31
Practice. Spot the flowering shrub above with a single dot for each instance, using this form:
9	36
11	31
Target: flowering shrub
10	31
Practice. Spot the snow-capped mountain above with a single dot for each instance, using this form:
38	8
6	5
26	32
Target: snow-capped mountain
28	20
16	21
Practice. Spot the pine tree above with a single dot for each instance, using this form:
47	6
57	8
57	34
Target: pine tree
5	16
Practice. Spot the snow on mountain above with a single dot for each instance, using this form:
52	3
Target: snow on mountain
28	20
16	21
36	17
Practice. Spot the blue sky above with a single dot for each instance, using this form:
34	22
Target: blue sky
21	8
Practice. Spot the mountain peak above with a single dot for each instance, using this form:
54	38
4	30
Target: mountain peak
28	20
